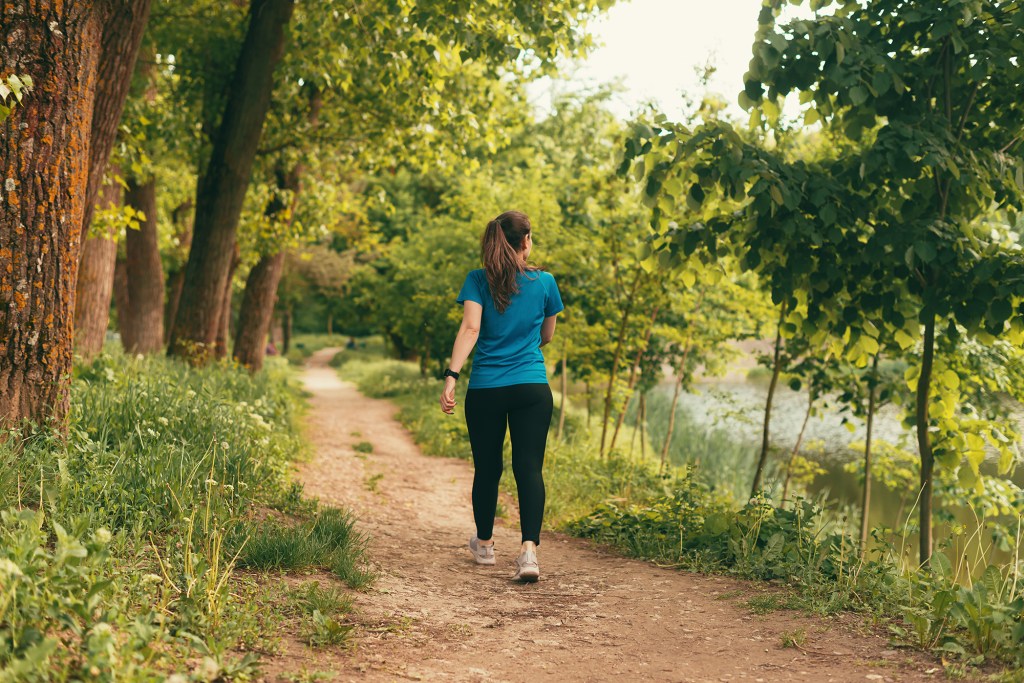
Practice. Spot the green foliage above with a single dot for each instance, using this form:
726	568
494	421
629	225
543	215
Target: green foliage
14	87
118	541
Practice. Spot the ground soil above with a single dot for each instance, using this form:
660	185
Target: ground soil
594	616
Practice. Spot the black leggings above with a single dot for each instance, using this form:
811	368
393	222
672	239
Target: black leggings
526	409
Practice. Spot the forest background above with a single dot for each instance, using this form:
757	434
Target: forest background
208	180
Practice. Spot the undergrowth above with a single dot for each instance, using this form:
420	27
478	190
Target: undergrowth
686	519
120	541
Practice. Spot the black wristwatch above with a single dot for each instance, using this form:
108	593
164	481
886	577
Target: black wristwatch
448	372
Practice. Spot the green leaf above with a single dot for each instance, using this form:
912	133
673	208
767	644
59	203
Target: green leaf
858	95
925	251
776	194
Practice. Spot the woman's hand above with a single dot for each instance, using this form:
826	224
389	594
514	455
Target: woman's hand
448	396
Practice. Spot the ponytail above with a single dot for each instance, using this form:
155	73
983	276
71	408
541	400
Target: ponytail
499	250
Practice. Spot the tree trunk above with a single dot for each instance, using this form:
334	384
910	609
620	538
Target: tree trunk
122	35
924	443
587	386
286	330
796	448
776	369
617	357
866	501
96	284
677	389
224	324
633	374
222	187
121	301
181	217
330	325
565	391
145	275
643	426
44	157
257	311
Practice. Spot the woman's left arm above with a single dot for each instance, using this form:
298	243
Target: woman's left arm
547	329
465	340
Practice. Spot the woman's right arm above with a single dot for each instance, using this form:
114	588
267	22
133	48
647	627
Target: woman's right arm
465	340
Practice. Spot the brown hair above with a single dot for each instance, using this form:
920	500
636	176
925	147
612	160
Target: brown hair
499	249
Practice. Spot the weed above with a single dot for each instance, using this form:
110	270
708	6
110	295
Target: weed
795	638
764	604
371	482
363	447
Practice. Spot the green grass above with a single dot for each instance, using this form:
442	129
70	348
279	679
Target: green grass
121	540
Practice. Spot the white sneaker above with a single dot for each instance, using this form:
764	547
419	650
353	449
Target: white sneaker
527	569
483	554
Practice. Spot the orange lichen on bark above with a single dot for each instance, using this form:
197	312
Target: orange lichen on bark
20	301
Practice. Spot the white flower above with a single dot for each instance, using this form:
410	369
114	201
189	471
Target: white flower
229	488
163	420
8	568
211	482
102	536
150	432
109	374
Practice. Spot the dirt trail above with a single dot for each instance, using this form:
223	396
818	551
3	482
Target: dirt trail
594	616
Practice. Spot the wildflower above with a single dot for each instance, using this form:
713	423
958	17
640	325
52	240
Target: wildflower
163	420
211	482
151	578
102	536
229	488
102	629
109	374
224	445
8	568
151	432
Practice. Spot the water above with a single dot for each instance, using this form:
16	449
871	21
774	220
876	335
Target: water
719	425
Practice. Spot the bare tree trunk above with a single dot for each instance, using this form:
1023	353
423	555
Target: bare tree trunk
222	187
924	443
224	326
145	273
865	505
121	295
565	391
776	369
633	374
96	284
257	311
796	448
123	29
643	426
44	154
617	357
181	217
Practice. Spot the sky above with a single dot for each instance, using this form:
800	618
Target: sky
653	46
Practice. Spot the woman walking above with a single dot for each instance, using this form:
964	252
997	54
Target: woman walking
509	310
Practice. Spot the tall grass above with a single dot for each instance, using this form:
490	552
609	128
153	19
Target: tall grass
119	541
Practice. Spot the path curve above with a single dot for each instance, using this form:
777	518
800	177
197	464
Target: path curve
434	615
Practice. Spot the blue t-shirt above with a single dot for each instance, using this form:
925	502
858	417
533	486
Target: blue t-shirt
508	348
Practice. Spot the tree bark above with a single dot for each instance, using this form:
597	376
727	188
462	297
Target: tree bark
224	324
633	374
565	391
257	311
286	330
122	36
796	448
222	187
617	357
145	275
924	443
44	163
181	217
866	500
96	284
776	369
121	301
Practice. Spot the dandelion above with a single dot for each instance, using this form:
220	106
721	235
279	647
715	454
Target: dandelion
224	445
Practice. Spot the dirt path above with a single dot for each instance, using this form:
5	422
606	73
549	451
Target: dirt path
594	616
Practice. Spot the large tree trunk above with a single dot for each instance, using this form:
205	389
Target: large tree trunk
122	36
222	187
257	311
924	443
258	306
44	164
96	283
181	218
145	275
224	325
765	442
